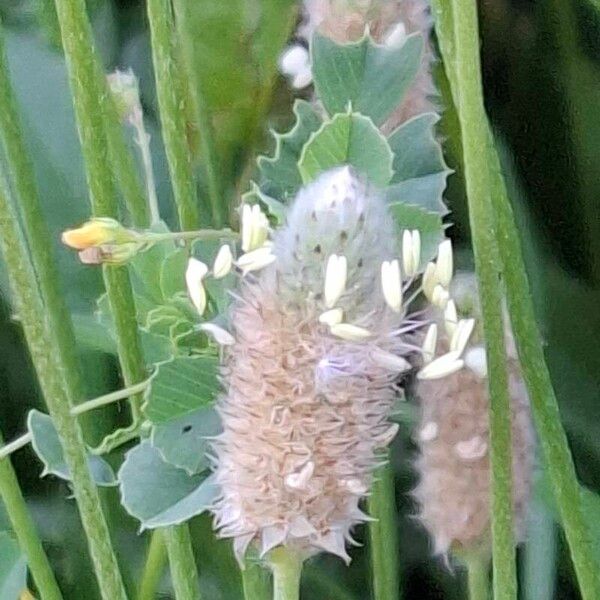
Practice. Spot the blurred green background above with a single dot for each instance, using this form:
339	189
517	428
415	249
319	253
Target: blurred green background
542	78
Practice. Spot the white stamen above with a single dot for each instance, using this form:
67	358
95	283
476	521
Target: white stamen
450	318
475	359
430	343
255	227
461	336
298	481
440	296
411	252
255	259
390	361
333	316
429	432
391	284
472	449
295	63
223	262
429	280
444	263
396	36
335	279
220	335
441	367
349	332
194	274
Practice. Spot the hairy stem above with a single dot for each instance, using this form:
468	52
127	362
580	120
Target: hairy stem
287	568
468	90
207	134
172	111
59	397
27	536
15	445
256	582
87	92
553	439
110	398
153	569
477	577
184	572
383	536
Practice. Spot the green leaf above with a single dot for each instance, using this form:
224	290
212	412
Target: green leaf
280	177
420	172
181	386
13	568
373	78
349	138
172	273
46	443
159	494
183	441
428	223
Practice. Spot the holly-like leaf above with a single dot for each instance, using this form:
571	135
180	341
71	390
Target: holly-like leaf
183	441
172	273
280	177
428	223
159	494
180	387
13	568
420	172
46	443
373	78
349	138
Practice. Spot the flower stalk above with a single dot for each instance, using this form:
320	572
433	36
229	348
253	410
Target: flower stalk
183	566
287	567
471	114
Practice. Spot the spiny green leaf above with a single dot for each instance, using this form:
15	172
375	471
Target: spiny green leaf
46	443
420	172
280	177
371	77
349	138
181	386
183	441
428	223
159	494
172	273
13	568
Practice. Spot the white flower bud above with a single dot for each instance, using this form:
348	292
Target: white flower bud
391	284
450	318
335	279
194	274
440	297
255	259
255	227
390	361
223	262
444	263
441	367
220	335
411	252
295	63
429	280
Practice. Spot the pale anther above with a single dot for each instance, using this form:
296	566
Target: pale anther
430	343
391	284
461	336
194	274
441	367
223	262
335	279
333	316
444	263
349	332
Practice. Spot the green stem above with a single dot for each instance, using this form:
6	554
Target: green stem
27	536
383	536
184	572
256	582
468	90
110	398
287	568
15	445
172	111
553	439
200	234
201	110
477	578
59	396
87	93
154	567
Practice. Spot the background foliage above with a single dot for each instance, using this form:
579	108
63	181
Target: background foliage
542	77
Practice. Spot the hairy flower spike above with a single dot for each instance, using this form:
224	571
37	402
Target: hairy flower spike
310	379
